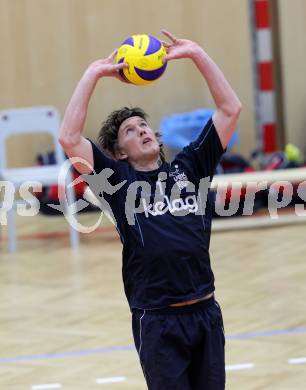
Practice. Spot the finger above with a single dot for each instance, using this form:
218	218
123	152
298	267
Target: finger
169	57
169	35
166	44
112	56
123	65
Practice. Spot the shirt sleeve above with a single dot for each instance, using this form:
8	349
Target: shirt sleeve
202	156
102	161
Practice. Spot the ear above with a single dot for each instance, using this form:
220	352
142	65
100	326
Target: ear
119	155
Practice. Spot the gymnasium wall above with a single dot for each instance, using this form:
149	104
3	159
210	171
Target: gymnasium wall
47	44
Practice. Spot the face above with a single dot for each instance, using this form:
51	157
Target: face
137	141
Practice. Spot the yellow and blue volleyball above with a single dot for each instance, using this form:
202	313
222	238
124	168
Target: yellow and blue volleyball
144	54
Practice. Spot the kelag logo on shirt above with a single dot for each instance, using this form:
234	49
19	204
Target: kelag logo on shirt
188	204
176	204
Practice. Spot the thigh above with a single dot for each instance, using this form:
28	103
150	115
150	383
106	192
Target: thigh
207	370
162	354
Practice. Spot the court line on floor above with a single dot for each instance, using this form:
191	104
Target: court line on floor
115	379
47	386
56	355
123	348
301	360
237	367
266	333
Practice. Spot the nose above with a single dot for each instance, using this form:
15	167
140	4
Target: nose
142	131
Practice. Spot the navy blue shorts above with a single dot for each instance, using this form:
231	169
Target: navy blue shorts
181	348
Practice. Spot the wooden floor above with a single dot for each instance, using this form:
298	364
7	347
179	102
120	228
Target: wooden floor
65	321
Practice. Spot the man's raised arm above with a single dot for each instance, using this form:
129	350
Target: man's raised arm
71	139
228	105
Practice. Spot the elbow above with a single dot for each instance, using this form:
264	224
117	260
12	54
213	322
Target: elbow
64	141
238	108
68	139
234	110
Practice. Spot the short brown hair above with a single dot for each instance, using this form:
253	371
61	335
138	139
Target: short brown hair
108	134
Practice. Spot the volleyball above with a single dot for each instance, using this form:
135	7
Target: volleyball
144	54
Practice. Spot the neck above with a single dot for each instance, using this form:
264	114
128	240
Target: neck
146	165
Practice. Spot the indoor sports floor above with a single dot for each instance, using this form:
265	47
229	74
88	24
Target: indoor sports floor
65	323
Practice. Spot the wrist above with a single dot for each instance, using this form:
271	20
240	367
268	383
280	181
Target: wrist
196	52
91	74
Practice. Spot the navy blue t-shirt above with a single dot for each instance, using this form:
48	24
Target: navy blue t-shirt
164	222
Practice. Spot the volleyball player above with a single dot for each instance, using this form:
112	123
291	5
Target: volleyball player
167	275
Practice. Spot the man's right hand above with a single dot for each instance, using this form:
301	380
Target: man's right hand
106	68
70	137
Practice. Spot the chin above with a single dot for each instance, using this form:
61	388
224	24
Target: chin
149	157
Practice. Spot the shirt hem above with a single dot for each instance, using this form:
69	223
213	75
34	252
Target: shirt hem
173	301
